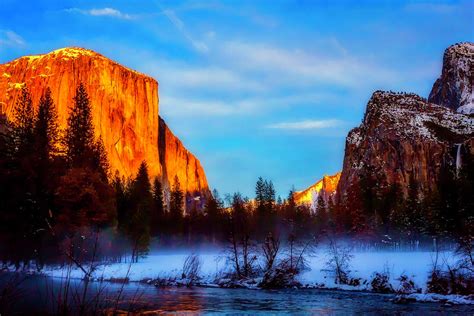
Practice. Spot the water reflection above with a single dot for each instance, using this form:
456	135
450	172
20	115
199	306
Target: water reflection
145	298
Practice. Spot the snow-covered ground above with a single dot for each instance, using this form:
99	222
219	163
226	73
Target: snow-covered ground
416	265
163	265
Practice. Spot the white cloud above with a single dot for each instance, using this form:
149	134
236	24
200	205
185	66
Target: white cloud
212	77
10	38
306	124
301	67
109	12
179	106
200	46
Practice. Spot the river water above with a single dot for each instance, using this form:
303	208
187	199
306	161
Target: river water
35	294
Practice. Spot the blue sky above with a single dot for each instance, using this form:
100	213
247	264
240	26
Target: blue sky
255	88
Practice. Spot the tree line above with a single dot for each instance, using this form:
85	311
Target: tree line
55	186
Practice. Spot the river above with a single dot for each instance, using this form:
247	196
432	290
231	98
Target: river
36	293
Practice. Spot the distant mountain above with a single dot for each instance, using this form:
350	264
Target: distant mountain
404	137
454	89
125	110
326	186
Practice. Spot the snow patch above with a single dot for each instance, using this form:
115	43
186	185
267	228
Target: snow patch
439	298
72	52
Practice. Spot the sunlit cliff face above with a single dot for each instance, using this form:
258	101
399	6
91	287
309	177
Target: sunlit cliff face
125	108
328	184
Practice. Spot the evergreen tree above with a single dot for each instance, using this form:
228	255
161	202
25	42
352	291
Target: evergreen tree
142	199
46	128
269	197
260	195
176	203
24	122
47	173
158	213
290	207
321	213
464	218
353	212
80	143
212	210
331	211
100	162
122	201
23	200
84	192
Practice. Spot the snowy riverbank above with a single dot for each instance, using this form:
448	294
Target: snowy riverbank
168	266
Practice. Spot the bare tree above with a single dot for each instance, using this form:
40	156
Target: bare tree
191	269
270	248
339	261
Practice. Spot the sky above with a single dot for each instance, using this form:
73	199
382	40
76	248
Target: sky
255	88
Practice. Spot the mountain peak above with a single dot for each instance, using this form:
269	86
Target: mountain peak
65	53
463	48
327	184
454	88
74	52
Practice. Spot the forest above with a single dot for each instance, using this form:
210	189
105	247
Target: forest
57	192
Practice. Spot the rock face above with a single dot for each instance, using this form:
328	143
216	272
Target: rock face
176	160
402	135
454	89
326	186
125	108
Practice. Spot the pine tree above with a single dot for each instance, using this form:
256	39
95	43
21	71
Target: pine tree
176	202
46	148
464	218
100	162
24	121
260	195
122	201
331	211
290	207
212	210
321	213
46	128
158	213
142	199
80	143
269	197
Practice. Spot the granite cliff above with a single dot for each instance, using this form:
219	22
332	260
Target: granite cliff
125	110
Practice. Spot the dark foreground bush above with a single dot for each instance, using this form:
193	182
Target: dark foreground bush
407	285
453	281
381	283
280	278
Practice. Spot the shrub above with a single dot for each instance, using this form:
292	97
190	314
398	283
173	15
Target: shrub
381	282
191	269
339	260
407	285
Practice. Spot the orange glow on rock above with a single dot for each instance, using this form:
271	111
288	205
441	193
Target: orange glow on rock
125	110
